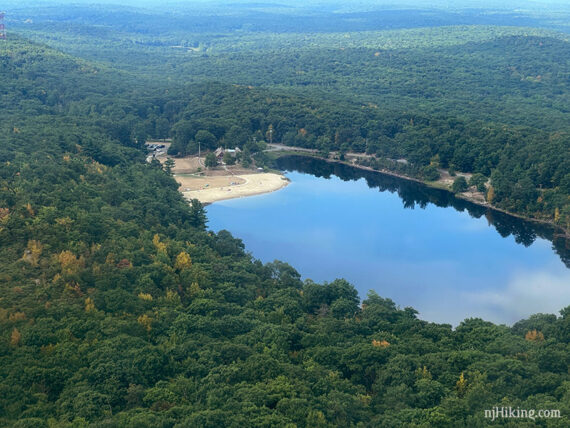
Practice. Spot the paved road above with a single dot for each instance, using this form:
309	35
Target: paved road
280	147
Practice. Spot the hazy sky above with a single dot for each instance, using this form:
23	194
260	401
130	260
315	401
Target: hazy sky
512	4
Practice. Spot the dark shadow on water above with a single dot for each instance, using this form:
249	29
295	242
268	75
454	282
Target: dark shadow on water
415	194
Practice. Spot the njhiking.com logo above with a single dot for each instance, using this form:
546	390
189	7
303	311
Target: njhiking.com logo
518	413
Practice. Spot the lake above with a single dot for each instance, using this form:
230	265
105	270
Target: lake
421	247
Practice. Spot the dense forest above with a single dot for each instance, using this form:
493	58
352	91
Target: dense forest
489	100
527	167
118	307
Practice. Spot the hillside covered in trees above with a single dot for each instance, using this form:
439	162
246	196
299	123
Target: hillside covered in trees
472	98
118	307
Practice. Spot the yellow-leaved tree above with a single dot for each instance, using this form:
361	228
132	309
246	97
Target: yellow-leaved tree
160	246
16	337
145	296
490	194
89	305
461	385
183	261
69	262
534	336
145	321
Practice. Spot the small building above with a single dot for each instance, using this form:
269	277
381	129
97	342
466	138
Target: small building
154	146
220	152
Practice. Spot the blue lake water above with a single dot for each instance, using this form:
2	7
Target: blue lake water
449	262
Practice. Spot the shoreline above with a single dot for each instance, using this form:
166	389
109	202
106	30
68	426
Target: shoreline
564	233
235	186
224	182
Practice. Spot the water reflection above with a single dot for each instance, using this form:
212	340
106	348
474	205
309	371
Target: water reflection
415	194
526	292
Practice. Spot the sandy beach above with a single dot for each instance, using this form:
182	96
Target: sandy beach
217	188
224	182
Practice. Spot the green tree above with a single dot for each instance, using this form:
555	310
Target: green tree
459	185
162	127
246	161
206	139
197	214
478	180
431	173
169	165
210	161
229	159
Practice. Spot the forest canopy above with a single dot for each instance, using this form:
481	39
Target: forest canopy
118	307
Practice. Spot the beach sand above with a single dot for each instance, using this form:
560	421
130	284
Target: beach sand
217	188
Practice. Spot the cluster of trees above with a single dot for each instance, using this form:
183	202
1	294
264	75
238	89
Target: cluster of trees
514	79
120	308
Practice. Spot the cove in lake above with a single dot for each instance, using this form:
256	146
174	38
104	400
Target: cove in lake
446	257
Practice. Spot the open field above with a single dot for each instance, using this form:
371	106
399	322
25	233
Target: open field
187	165
193	183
